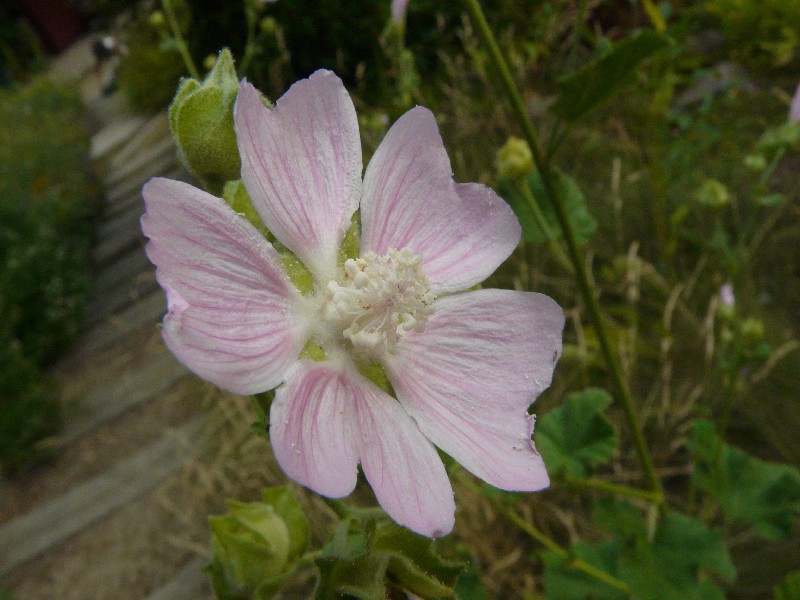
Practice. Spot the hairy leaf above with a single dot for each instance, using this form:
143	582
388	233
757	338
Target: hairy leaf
361	558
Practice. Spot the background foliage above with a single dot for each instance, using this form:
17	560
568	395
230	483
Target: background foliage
46	205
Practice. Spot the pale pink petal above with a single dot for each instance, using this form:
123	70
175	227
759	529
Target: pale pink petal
463	232
469	378
234	317
402	466
328	416
794	110
301	164
399	9
311	429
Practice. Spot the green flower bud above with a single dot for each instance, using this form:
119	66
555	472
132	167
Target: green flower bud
256	545
251	544
157	19
755	162
713	194
514	159
268	25
201	119
752	331
209	62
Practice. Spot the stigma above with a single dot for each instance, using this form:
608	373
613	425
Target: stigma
378	299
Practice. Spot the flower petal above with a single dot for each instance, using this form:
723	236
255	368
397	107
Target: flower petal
328	416
311	429
463	232
301	165
469	378
234	317
403	467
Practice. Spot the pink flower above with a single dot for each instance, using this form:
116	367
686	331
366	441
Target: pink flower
726	295
399	10
794	110
463	365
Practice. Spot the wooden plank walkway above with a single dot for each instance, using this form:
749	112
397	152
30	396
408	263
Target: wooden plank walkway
52	522
115	378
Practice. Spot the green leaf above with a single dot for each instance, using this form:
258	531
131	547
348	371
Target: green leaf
620	519
761	494
586	88
677	564
285	504
674	567
359	559
539	224
576	436
469	585
789	589
561	582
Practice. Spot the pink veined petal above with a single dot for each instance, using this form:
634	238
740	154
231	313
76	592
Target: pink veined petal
328	417
234	316
301	165
469	378
311	428
463	232
402	466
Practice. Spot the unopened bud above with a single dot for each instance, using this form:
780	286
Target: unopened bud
157	19
713	194
268	25
514	159
201	119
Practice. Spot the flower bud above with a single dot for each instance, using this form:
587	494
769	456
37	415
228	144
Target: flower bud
209	62
157	19
752	331
755	162
268	25
256	545
713	194
250	544
727	302
514	159
201	119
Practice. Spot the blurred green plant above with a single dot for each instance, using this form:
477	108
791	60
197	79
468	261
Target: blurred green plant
762	32
46	206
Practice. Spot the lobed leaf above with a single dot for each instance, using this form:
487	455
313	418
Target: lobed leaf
761	494
576	437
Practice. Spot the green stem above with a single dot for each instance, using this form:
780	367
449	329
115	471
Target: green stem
623	394
614	488
552	242
249	47
183	50
571	561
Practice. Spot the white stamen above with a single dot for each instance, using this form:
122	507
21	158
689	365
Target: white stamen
379	299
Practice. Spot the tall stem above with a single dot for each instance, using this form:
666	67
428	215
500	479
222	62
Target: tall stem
572	561
587	291
183	50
